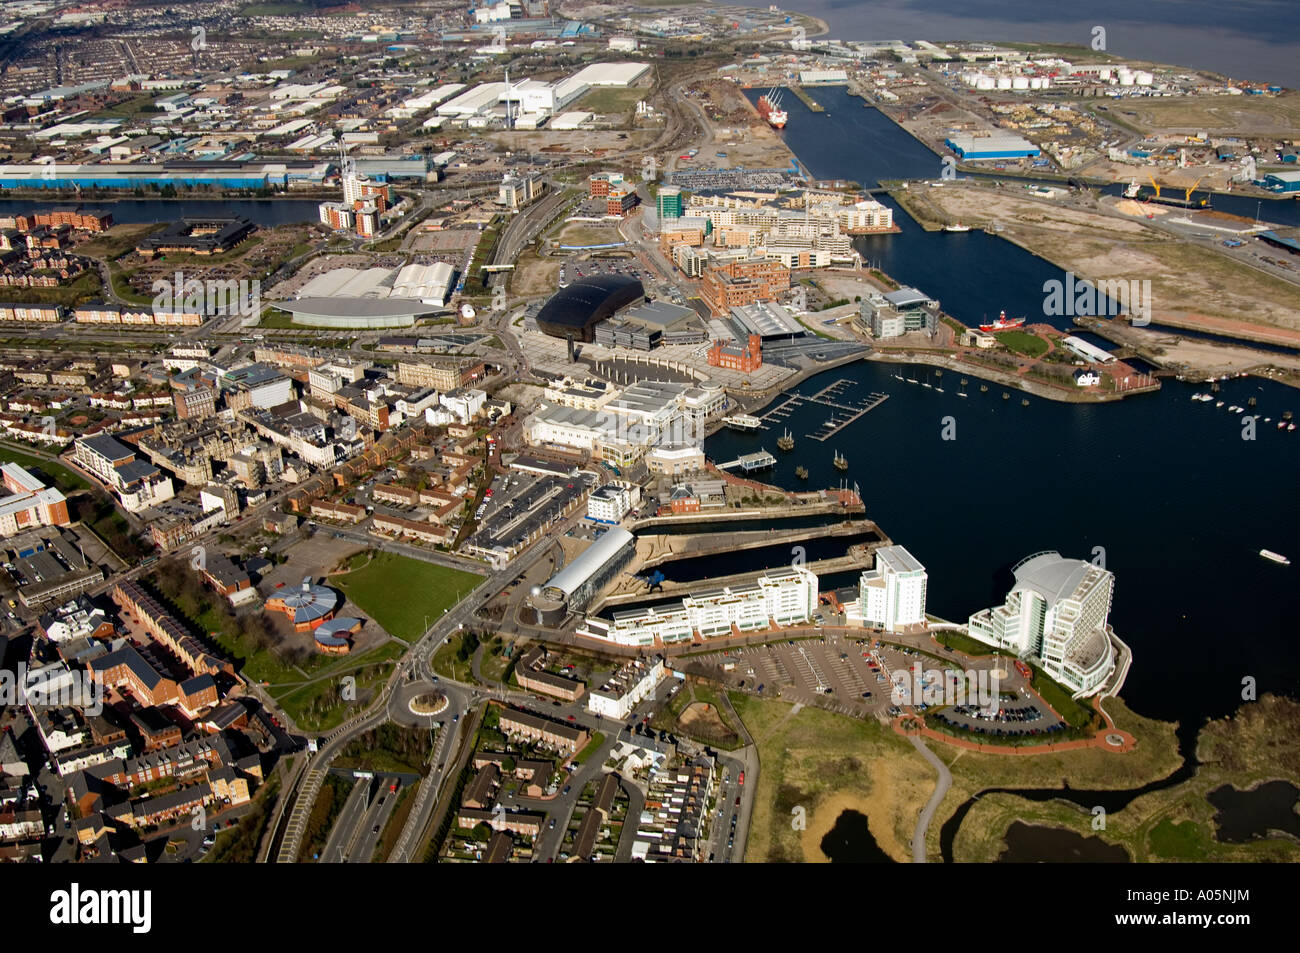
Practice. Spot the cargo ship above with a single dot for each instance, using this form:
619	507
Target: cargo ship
1274	557
769	107
1003	323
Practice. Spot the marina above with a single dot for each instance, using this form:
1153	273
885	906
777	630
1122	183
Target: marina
842	413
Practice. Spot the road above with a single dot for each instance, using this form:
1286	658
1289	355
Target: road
348	824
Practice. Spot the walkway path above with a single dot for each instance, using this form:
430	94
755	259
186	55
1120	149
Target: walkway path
940	792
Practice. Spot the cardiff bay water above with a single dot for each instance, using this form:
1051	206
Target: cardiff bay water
1163	488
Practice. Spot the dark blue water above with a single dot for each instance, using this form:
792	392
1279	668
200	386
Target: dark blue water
1256	40
1179	501
1167	486
974	275
138	211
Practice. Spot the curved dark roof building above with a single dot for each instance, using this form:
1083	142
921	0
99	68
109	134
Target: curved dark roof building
574	312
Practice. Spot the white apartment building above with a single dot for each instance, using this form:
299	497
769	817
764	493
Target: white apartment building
326	379
464	403
138	483
644	415
1056	611
611	502
626	688
776	599
867	215
892	595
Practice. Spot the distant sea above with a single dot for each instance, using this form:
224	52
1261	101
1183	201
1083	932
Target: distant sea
1256	40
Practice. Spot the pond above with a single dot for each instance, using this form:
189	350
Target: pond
850	841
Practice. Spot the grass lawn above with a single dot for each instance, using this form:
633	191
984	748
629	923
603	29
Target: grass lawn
64	479
447	663
961	642
320	706
275	318
84	287
1022	342
401	593
611	100
494	664
593	746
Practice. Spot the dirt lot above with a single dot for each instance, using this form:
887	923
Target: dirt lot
702	720
1216	176
1271	116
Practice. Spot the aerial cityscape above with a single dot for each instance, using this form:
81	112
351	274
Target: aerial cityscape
553	431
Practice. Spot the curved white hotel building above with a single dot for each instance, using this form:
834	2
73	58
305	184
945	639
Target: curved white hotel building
1057	612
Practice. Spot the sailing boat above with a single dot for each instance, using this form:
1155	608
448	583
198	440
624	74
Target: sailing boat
785	441
840	462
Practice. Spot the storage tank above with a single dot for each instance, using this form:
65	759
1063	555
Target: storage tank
985	82
1145	79
1126	77
1047	82
1020	82
1004	82
1104	74
1036	82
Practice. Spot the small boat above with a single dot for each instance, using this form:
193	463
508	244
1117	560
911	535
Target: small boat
1218	404
1024	402
957	227
925	383
840	462
911	380
801	472
785	441
984	388
1281	425
962	393
1006	396
1290	426
1274	557
938	390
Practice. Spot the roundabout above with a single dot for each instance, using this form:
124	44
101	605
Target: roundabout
427	704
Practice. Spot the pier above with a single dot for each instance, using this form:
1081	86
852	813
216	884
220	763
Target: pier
828	397
807	100
750	462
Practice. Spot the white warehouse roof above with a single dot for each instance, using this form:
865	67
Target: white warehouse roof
610	74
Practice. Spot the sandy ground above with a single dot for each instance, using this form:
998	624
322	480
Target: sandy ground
702	719
1215	176
895	797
